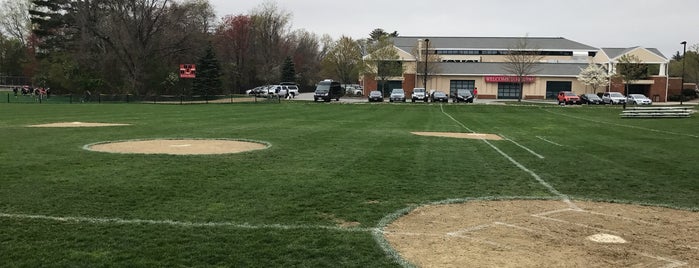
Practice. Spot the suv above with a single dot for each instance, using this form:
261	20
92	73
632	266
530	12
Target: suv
419	94
568	97
292	88
397	94
613	98
327	90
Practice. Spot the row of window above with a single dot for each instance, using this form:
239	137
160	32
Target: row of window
500	52
505	90
460	61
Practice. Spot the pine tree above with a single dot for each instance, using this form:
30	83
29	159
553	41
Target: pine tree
208	74
288	71
54	24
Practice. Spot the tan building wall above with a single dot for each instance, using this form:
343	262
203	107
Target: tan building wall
536	90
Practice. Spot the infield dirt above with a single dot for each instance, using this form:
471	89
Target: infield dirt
538	233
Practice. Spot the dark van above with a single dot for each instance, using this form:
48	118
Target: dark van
327	90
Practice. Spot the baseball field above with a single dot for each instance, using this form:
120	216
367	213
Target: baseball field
346	185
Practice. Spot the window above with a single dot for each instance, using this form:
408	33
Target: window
461	84
508	91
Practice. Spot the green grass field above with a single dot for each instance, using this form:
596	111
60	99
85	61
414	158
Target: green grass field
329	166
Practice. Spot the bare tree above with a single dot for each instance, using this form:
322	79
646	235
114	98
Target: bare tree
383	61
270	47
14	19
141	33
305	52
631	68
427	64
522	61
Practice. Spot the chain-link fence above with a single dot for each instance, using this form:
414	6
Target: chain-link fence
18	97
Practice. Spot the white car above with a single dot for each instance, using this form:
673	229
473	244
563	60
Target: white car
613	98
419	94
639	99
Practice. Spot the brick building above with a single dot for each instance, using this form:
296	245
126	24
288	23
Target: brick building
480	62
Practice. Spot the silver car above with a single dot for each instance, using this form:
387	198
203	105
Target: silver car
397	94
638	99
613	98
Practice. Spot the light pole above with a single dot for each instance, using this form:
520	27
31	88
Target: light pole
427	51
684	50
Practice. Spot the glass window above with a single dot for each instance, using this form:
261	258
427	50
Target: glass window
508	91
461	84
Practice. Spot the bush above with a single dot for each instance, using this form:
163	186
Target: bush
689	92
673	98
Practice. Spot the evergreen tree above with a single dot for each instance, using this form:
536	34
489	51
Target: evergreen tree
208	74
288	71
53	24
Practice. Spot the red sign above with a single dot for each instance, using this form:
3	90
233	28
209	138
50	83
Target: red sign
508	79
188	71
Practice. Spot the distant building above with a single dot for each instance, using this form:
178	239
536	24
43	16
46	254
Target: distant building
470	62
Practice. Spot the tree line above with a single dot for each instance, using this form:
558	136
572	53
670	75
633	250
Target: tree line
136	46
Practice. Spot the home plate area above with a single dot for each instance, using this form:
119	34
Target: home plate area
546	233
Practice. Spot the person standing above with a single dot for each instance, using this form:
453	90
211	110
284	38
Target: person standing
475	93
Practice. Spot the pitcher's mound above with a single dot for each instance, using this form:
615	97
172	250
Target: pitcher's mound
177	147
537	233
475	136
78	124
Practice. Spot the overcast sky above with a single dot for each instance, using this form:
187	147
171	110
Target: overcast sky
598	23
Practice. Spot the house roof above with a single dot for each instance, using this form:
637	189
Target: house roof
494	68
408	43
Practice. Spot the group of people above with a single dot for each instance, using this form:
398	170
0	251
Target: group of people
27	90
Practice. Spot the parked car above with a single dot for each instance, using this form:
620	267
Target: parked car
353	90
419	94
327	90
292	88
397	94
613	98
375	96
278	90
568	97
462	95
439	96
638	99
590	99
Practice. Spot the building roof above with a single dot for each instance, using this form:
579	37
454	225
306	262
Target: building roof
495	68
408	43
613	53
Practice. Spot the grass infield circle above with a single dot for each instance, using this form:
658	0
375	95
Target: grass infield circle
545	233
178	146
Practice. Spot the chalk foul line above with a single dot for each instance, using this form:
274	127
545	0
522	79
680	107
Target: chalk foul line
522	146
94	220
548	186
546	140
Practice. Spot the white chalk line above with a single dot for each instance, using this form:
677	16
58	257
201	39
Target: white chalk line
546	140
441	106
621	125
548	186
118	221
522	146
672	263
